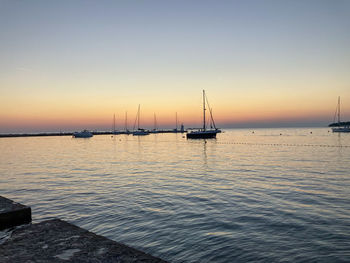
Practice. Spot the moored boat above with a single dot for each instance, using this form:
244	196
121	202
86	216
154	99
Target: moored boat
339	126
341	129
204	133
83	134
139	130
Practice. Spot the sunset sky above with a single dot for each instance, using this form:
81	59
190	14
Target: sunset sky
70	65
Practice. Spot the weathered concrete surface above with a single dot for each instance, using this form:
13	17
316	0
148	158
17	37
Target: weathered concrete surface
13	214
58	241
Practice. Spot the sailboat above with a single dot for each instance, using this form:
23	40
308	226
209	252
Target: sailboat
155	129
339	126
204	133
126	131
115	132
139	131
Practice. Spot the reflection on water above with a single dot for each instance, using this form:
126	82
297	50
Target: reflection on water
245	196
204	152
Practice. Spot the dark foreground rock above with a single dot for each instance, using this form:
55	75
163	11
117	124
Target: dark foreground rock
13	214
58	241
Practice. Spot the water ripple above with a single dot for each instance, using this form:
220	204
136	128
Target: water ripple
243	197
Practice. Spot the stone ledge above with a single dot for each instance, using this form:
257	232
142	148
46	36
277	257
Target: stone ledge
58	241
13	214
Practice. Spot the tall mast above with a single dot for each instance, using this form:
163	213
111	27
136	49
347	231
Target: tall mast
339	109
203	110
155	122
176	121
126	121
114	123
138	118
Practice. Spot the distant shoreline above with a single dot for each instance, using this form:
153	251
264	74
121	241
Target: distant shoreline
46	134
34	134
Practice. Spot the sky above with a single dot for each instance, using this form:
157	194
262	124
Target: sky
71	65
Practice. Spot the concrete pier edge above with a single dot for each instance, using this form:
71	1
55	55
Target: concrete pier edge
59	241
13	214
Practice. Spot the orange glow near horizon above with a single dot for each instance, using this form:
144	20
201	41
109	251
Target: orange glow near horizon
51	115
240	101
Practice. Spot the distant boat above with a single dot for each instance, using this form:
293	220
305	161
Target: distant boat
115	132
155	129
204	133
339	126
139	130
83	134
126	131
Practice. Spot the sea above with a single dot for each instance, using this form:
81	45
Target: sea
250	195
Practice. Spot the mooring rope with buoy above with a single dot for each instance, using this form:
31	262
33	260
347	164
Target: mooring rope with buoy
252	143
286	144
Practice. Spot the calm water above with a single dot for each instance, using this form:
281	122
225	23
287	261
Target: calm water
245	196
